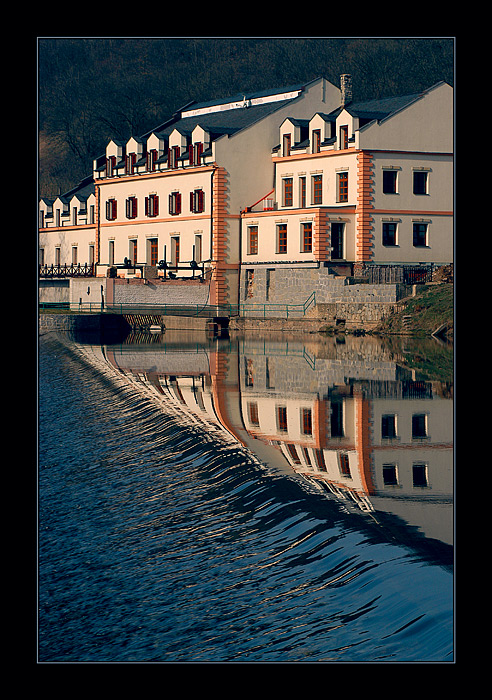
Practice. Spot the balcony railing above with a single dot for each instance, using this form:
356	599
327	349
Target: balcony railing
51	271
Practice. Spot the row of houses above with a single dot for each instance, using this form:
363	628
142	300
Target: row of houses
278	180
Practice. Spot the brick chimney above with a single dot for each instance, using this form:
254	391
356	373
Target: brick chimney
346	88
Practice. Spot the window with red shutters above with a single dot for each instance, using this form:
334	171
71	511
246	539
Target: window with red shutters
131	208
151	159
197	201
152	205
175	203
111	209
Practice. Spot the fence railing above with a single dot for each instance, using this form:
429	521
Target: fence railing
405	274
251	310
85	270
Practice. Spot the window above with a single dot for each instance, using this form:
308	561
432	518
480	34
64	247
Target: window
41	256
41	219
74	255
342	187
152	205
91	255
282	238
151	160
389	181
302	192
57	217
197	248
173	156
111	209
419	474
111	253
110	165
307	237
252	240
307	423
305	452
419	426
253	413
389	233
287	143
130	161
152	243
175	203
337	240
133	251
316	141
282	418
197	201
344	137
420	182
287	189
57	256
74	216
388	426
390	475
196	151
420	235
317	189
92	214
174	251
131	208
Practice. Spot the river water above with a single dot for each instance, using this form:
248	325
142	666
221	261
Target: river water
277	500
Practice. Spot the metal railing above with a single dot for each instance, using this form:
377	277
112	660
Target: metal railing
251	310
85	270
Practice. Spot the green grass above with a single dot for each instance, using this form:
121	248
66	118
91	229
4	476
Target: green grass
423	314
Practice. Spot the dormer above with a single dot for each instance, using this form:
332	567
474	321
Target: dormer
60	210
134	154
45	211
156	145
346	126
114	157
293	134
177	147
200	141
320	131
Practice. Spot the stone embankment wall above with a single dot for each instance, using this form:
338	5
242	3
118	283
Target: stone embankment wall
267	291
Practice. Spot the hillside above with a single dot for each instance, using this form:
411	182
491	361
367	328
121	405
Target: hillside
422	315
92	90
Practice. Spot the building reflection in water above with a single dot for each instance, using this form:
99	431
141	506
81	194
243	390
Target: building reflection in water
352	417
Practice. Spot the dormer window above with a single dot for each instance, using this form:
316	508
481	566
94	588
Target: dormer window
343	137
174	154
196	151
287	142
110	165
130	161
151	159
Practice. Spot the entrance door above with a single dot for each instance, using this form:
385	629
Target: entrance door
337	235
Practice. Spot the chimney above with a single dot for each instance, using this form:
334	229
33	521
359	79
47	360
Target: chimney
346	88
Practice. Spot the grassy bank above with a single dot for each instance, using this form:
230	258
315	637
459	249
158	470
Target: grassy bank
424	313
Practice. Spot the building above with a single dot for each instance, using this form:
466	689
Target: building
175	194
267	197
367	185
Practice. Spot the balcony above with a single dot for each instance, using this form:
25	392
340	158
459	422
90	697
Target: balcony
63	271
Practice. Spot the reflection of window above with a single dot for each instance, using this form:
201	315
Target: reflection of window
390	476
419	474
293	454
388	426
253	413
320	460
282	418
305	452
307	424
419	425
336	419
343	460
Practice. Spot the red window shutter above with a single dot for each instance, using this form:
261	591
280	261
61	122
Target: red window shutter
146	206
191	154
113	209
178	203
201	201
134	207
156	205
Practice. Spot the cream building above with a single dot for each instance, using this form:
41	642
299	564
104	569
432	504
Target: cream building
366	184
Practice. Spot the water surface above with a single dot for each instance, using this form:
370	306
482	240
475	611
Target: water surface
245	500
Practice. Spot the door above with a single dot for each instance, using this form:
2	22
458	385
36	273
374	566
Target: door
337	235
